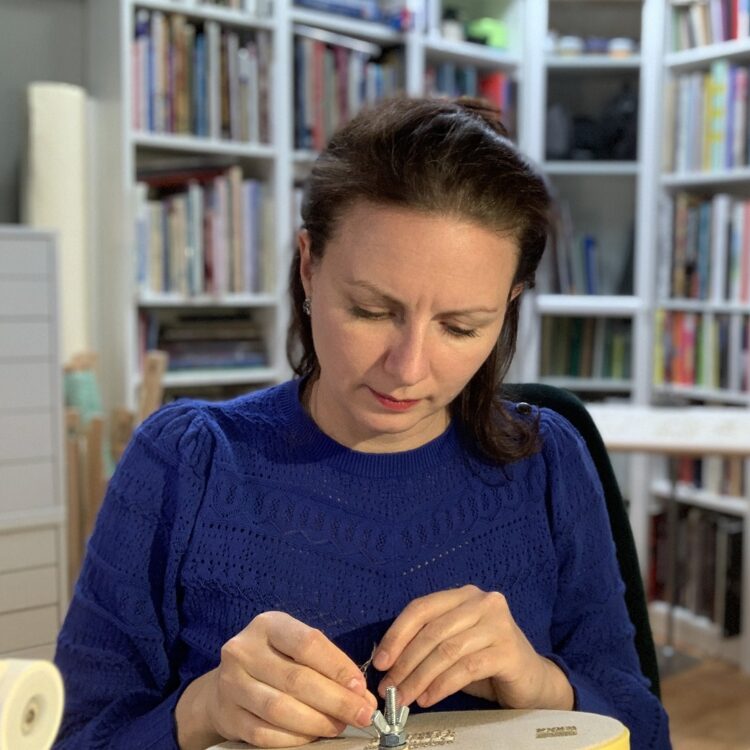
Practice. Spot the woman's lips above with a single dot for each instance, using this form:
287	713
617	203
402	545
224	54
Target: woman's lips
394	404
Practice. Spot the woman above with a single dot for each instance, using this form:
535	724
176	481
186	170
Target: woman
250	554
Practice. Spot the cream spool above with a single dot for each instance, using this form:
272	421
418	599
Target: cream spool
31	704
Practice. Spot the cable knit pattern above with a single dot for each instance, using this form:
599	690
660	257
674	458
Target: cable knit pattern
218	512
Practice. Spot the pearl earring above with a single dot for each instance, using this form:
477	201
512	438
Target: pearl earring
306	306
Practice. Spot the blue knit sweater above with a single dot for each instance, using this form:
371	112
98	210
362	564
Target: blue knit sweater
218	512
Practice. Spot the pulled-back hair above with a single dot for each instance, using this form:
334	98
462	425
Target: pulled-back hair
448	158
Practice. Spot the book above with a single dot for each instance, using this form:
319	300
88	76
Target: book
728	570
211	339
720	213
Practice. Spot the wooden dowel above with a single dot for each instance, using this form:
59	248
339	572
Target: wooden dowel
121	429
152	387
74	499
94	472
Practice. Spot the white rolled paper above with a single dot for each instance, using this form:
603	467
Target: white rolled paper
31	704
56	197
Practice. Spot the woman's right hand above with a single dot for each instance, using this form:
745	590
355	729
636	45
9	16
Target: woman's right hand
280	683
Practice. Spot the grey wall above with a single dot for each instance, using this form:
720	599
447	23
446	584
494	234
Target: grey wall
40	40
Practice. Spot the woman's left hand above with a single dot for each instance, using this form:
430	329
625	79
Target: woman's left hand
466	639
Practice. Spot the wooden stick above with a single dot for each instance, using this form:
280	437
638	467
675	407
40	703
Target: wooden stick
152	388
121	429
94	472
75	500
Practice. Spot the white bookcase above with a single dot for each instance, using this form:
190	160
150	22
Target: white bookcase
610	199
33	562
706	376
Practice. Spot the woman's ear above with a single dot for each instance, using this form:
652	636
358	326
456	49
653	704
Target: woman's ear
305	259
515	291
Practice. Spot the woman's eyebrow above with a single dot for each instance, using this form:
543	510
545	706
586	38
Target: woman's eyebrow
369	287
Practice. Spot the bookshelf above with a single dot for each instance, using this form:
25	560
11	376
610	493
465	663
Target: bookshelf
702	307
196	104
594	284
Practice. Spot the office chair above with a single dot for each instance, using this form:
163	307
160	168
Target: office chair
572	408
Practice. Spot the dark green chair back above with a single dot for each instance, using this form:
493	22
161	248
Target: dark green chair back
573	409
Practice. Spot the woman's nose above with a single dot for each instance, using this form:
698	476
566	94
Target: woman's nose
407	356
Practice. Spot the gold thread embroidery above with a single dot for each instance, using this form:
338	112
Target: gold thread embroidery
436	738
545	732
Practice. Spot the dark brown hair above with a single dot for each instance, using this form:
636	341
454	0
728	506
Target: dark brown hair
436	156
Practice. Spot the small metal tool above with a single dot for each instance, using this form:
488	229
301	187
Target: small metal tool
392	726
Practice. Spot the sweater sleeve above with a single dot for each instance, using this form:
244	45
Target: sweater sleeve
114	649
592	636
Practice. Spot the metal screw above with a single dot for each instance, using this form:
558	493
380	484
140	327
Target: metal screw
391	705
391	727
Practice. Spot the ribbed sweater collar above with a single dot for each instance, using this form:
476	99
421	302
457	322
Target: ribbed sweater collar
311	444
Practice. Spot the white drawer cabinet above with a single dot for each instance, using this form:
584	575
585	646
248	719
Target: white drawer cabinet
29	588
27	628
26	548
33	594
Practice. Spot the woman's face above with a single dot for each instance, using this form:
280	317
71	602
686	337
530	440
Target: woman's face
406	306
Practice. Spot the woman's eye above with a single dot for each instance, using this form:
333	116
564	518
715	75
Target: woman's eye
461	332
360	312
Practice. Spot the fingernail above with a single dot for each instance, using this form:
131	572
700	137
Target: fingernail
422	700
364	717
356	685
380	660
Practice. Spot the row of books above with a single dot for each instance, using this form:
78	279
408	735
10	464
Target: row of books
200	78
393	13
706	244
720	475
203	231
707	119
332	83
453	79
203	340
576	262
700	22
705	350
709	565
595	348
